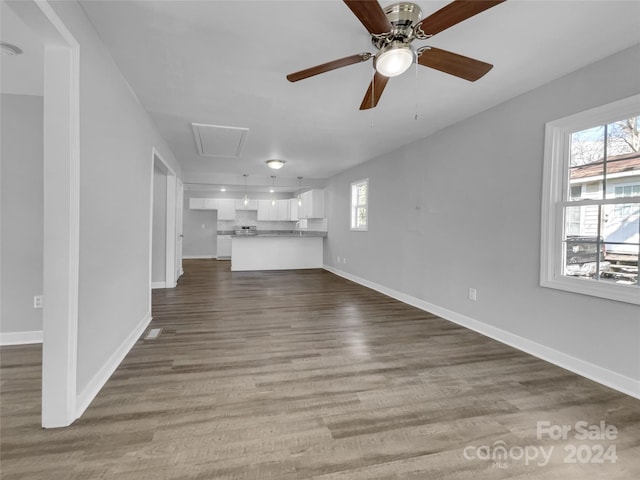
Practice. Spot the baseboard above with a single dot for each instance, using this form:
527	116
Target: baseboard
586	369
158	285
84	398
20	338
199	257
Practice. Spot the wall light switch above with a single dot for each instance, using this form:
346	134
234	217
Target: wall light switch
473	294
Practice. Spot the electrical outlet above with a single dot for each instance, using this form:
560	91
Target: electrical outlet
344	260
473	294
338	259
37	301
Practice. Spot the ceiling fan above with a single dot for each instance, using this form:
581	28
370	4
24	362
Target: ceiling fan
393	29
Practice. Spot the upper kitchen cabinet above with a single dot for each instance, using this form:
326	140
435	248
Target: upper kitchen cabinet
293	209
312	204
196	203
226	209
270	211
251	205
203	203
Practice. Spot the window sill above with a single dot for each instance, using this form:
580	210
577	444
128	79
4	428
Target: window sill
621	293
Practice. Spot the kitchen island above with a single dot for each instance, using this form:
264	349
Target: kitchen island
277	251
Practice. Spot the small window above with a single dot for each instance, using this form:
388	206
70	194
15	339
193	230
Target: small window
359	205
591	202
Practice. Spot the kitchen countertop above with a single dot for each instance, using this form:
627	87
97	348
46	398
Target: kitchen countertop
277	233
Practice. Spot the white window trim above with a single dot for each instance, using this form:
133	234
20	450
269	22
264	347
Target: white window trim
557	141
352	206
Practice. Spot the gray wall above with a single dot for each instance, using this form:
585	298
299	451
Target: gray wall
116	141
461	208
22	213
159	232
199	230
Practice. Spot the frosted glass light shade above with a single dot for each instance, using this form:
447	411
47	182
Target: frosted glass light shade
394	61
275	164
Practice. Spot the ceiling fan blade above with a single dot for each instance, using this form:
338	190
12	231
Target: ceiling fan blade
452	14
453	64
370	13
327	67
374	92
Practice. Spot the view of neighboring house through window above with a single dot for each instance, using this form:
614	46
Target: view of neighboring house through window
592	226
359	201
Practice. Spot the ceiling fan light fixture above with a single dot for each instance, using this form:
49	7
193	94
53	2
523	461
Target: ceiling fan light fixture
394	60
275	163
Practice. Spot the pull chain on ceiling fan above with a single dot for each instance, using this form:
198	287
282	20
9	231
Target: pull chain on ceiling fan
393	30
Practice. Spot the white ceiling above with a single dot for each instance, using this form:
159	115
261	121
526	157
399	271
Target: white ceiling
21	74
225	62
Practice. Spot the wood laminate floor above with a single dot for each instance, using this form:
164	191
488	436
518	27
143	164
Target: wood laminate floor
304	375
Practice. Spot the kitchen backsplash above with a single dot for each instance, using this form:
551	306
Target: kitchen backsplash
250	218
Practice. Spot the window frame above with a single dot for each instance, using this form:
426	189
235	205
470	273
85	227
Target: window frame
355	206
555	177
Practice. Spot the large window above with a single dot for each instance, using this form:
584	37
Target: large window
359	202
591	202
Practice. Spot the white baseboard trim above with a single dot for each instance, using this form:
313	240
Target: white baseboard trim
20	338
158	285
598	374
199	257
84	398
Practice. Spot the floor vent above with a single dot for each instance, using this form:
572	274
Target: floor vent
153	334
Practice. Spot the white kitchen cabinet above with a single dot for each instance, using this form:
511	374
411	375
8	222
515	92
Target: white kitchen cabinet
272	212
196	203
252	205
282	207
203	203
312	204
293	209
226	209
266	211
224	246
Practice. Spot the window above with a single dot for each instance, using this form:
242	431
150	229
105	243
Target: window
591	202
359	201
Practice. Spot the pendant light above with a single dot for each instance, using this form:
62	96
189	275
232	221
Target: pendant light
273	189
246	197
299	191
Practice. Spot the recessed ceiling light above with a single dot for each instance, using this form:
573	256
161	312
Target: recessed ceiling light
223	189
9	49
275	163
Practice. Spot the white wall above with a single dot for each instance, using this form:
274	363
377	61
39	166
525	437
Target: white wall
116	141
199	230
22	216
461	208
159	231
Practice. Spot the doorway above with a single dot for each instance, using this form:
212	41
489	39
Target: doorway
165	263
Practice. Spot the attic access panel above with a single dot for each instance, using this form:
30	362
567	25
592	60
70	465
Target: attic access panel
218	140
